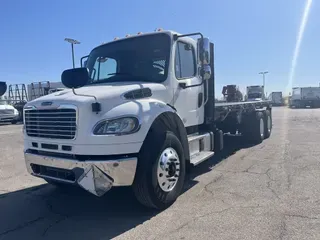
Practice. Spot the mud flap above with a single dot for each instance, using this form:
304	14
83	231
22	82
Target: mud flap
95	181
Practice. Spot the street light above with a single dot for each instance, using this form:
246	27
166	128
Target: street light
72	41
263	77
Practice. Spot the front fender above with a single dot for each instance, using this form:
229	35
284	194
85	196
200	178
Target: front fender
146	110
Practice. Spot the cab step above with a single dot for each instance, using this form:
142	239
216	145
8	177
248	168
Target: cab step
200	147
200	157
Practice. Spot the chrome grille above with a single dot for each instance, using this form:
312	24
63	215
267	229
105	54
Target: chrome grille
53	123
6	111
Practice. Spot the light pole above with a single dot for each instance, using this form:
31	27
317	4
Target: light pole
72	41
264	80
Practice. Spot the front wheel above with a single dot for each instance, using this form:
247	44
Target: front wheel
160	172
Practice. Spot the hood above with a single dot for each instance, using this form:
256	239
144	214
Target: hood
6	106
110	92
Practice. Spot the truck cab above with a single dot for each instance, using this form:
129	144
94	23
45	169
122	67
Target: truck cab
255	93
138	113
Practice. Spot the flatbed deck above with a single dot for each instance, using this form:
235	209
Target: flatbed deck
226	104
223	109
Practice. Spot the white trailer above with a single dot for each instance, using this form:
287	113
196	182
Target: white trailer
139	113
305	97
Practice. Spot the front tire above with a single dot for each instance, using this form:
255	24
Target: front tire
161	170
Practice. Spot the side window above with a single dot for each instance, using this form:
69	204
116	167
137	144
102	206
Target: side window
184	61
107	66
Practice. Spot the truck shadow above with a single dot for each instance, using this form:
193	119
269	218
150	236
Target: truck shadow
49	212
232	144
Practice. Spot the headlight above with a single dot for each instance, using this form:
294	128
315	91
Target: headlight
119	126
15	112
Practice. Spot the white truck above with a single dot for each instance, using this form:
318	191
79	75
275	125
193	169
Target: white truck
305	97
276	98
255	93
140	111
8	113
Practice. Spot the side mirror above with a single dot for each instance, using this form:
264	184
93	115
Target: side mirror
75	77
203	46
3	88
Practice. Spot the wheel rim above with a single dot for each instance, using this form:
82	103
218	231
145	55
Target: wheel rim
269	123
261	127
168	170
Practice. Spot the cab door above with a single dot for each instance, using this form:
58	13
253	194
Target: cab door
187	100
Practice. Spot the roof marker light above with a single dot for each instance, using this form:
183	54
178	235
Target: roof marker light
128	35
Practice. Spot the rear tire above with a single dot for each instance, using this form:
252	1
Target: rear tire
254	129
267	124
161	170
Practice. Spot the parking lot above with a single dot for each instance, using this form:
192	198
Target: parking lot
268	191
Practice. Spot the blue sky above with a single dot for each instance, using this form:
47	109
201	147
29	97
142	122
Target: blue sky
249	35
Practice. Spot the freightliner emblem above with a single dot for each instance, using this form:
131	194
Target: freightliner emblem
46	103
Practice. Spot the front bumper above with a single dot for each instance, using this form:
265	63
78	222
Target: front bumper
8	117
97	177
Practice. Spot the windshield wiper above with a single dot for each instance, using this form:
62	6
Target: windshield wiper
120	73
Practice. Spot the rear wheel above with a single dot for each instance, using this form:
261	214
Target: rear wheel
267	124
254	129
160	172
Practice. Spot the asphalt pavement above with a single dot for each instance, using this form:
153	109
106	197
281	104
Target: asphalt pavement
267	191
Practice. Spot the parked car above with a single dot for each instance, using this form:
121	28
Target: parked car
8	113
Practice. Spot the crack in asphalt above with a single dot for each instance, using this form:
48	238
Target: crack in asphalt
283	228
51	210
301	216
205	188
49	207
264	173
21	226
63	216
193	220
52	225
269	184
205	215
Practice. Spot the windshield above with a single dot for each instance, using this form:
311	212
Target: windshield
142	58
254	95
